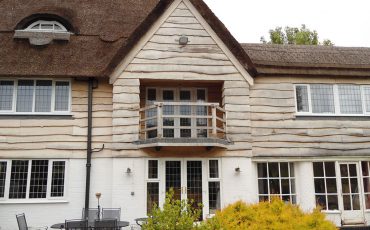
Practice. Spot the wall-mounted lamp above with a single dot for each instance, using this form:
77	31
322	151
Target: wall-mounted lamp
237	169
128	171
183	40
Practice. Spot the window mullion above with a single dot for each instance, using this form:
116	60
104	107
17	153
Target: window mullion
50	172
7	179
52	104
336	99
29	178
15	93
34	96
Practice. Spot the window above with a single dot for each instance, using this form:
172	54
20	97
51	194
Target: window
34	96
365	165
326	193
32	179
276	180
152	185
46	26
214	190
332	99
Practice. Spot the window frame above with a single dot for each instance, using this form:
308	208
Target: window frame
290	178
52	105
336	101
214	179
48	197
41	22
152	180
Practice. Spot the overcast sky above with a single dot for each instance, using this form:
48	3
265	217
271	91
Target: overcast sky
345	22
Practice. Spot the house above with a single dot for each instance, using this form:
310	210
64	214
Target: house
132	98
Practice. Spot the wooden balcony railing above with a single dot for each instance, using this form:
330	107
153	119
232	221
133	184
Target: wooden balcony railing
178	120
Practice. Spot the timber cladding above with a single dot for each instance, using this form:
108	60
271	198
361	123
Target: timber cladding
278	131
62	137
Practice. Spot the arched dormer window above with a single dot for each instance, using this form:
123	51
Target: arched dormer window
43	32
46	26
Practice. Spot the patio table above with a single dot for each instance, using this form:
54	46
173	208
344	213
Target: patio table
120	224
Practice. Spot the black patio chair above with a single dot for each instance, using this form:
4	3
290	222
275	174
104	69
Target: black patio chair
93	214
106	224
112	213
22	223
76	225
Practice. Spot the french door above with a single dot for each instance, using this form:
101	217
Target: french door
187	179
350	187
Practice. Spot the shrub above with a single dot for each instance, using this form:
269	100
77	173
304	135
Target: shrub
175	215
272	216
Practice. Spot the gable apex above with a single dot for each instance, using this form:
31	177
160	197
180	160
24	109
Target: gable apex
181	17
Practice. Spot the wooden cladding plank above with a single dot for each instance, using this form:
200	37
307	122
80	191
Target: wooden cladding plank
182	31
182	20
192	61
173	39
189	49
208	70
195	26
179	12
158	54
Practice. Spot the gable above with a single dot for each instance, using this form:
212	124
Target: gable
159	50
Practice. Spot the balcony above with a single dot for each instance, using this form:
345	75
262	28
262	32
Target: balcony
182	124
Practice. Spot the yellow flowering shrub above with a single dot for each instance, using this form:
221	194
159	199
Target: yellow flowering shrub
275	215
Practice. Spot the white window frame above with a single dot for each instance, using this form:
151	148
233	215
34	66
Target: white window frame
48	198
52	108
45	22
326	194
214	179
268	178
336	101
152	180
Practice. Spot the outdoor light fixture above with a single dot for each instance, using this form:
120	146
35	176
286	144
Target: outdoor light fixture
183	40
98	195
128	171
237	169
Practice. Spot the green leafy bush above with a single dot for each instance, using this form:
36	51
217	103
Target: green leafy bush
272	216
175	215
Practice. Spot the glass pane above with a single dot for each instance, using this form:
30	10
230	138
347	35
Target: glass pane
294	199
194	182
322	98
367	98
202	133
365	168
367	185
185	133
62	96
201	95
46	26
302	98
321	201
57	180
214	197
367	200
285	186
168	122
347	202
6	95
153	169
43	96
152	134
319	185
213	169
169	133
274	186
263	186
273	169
331	185
185	122
329	169
356	202
263	198
318	169
57	27
25	96
354	185
292	186
18	179
152	96
333	202
185	95
284	170
39	178
36	27
350	99
352	170
152	197
286	199
345	185
291	169
262	170
173	178
168	95
343	170
3	166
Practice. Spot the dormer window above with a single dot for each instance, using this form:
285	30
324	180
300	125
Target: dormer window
43	32
46	26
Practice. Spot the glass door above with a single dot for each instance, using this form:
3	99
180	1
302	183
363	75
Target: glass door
352	210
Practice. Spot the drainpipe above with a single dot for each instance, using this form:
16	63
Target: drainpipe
89	149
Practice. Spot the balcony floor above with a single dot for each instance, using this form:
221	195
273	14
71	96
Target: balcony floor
183	142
